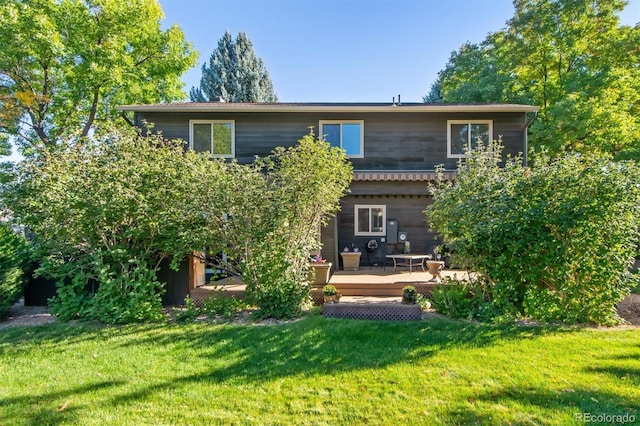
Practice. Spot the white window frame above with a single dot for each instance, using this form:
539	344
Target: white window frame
370	207
212	122
341	122
469	141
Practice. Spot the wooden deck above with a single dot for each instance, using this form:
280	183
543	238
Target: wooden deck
365	282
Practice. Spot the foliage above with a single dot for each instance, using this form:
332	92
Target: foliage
235	74
571	58
13	261
275	208
409	294
221	304
423	301
409	291
107	211
66	65
555	240
329	290
187	314
470	300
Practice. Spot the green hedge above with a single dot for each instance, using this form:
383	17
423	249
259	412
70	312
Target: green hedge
12	262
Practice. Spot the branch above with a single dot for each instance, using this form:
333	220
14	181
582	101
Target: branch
92	114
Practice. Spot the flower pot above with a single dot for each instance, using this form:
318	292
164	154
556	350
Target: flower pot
350	260
408	300
435	266
332	298
322	273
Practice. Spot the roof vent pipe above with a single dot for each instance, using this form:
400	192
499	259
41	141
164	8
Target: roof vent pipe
399	103
394	101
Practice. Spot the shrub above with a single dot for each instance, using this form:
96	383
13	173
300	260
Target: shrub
187	314
329	290
110	209
453	300
223	305
13	260
409	294
554	241
276	218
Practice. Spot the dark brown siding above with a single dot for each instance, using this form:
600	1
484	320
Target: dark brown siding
330	243
406	209
393	141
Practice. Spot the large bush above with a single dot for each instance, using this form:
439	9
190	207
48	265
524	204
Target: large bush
107	211
13	251
556	240
276	207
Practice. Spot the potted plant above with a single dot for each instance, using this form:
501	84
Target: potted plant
409	295
319	270
350	259
331	294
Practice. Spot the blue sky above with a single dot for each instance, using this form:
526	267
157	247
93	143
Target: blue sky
346	50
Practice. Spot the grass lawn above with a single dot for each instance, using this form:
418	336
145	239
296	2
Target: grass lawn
317	371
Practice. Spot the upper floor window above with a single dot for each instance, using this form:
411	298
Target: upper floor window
370	219
463	135
346	134
213	136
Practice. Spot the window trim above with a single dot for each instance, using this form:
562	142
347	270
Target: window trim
341	122
469	123
370	206
212	122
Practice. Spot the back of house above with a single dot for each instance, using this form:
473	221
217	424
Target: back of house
394	148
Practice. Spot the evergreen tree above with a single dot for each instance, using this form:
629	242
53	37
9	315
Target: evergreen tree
234	74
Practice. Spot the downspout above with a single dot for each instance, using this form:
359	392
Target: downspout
526	135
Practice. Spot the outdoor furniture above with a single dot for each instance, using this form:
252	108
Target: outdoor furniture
409	260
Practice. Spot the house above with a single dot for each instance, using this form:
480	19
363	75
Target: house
394	149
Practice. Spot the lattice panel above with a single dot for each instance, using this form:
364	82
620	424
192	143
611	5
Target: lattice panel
317	297
198	295
373	311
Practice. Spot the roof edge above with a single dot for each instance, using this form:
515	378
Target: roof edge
325	107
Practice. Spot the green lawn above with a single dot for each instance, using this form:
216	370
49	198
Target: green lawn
317	371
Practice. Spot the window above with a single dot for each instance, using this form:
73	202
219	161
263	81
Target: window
370	219
213	136
462	136
348	135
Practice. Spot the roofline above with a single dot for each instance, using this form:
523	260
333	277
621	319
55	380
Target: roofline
326	107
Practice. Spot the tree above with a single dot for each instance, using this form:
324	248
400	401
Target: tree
276	207
66	64
235	74
554	241
570	57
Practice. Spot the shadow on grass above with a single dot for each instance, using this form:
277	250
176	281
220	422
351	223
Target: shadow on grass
253	354
65	334
315	346
570	405
42	411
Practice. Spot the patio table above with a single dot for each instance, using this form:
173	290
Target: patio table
408	260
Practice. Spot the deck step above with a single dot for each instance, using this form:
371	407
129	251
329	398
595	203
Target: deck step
388	311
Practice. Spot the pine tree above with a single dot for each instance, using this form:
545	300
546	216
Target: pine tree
234	74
